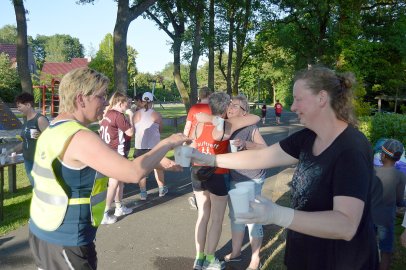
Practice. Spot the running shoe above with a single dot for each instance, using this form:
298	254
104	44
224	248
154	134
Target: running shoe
215	265
143	195
122	211
162	191
107	219
235	259
198	264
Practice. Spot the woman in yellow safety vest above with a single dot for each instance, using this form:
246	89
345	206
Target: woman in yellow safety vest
71	169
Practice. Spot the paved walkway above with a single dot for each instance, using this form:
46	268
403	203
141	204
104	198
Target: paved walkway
160	232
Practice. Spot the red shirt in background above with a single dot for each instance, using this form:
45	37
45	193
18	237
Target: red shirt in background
191	116
278	107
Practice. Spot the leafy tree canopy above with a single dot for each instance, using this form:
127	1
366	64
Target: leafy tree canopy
8	34
9	80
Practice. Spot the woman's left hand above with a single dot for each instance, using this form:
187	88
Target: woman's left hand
240	144
264	211
170	165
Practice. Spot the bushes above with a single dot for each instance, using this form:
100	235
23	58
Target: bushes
384	126
9	81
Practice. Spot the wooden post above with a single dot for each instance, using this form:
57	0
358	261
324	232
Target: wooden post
12	179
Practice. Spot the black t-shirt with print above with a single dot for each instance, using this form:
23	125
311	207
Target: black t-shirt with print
345	168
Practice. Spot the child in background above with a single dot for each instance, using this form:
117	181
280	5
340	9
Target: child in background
393	186
263	113
278	111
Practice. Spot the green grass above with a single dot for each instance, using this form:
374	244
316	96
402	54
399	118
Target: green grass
399	258
16	205
170	110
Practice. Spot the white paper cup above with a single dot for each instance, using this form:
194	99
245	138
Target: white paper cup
248	185
182	155
239	200
33	133
233	147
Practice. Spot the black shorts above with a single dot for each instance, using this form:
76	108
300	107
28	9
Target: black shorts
217	184
50	256
278	114
140	152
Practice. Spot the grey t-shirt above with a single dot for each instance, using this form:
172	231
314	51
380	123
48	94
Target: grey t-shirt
390	195
245	134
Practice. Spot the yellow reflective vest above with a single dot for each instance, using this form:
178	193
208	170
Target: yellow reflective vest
49	199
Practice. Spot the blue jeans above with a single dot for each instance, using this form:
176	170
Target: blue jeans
254	230
28	164
386	237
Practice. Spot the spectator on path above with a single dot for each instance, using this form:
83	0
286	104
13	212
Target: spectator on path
391	194
116	131
202	106
148	126
245	138
263	113
71	166
137	102
31	129
278	111
330	224
211	195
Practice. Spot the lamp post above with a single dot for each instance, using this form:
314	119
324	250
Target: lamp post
135	91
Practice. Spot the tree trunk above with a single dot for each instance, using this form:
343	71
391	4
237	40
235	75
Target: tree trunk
210	82
177	43
120	47
197	37
22	47
125	15
230	51
241	35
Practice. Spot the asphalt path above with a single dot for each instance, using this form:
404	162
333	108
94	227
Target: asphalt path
159	234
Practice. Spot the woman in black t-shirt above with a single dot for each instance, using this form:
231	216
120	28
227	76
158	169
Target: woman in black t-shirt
329	224
30	131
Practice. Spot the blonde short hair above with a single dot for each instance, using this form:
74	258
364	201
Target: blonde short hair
83	81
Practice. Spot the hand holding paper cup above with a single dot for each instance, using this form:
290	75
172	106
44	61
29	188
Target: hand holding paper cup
34	133
233	147
239	200
182	155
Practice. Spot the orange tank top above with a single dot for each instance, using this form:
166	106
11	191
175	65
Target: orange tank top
206	144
